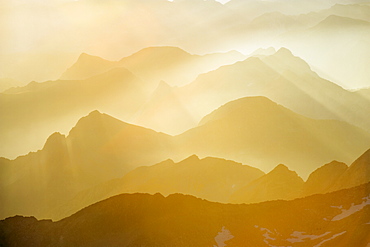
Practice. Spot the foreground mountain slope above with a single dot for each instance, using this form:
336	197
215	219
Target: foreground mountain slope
257	131
336	219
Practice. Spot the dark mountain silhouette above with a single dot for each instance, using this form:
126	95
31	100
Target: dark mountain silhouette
335	219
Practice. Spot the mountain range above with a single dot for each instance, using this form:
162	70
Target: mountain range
254	131
144	123
220	180
39	109
339	218
282	77
36	110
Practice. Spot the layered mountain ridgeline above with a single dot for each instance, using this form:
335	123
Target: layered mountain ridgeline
282	77
198	26
257	131
153	64
210	178
223	181
343	40
33	112
254	131
336	219
6	83
97	149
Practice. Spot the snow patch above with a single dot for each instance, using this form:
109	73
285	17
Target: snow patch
267	234
223	236
300	237
326	240
353	209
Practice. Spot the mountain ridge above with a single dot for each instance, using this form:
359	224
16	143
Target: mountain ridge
196	222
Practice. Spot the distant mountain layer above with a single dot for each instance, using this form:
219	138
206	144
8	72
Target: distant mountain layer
153	64
33	112
282	77
253	131
337	219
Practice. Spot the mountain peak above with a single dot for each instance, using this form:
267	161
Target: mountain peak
190	159
94	121
241	107
280	167
284	60
86	66
323	178
284	51
94	113
341	21
87	57
152	52
357	173
262	52
280	183
54	140
283	172
163	88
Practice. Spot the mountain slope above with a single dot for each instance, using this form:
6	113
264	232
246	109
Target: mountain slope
210	178
99	148
357	173
280	183
153	64
257	131
322	179
343	40
87	66
178	220
35	111
283	78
